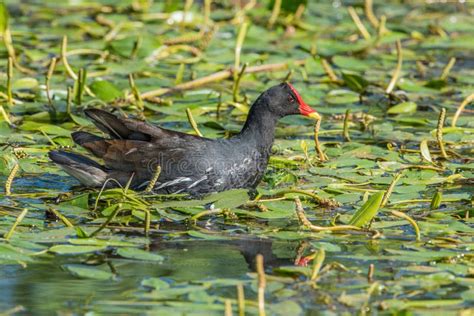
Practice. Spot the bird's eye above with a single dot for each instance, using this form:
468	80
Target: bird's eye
291	99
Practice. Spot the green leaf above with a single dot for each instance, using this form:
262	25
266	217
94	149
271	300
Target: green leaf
46	128
228	199
80	232
4	17
80	120
156	283
10	253
368	210
87	272
100	242
139	254
354	82
342	97
404	107
425	151
70	249
437	84
105	90
436	201
197	234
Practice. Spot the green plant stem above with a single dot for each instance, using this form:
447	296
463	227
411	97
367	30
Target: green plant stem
241	299
9	181
447	69
318	263
360	26
135	92
261	284
306	223
439	133
205	213
61	217
49	75
369	13
192	122
18	220
275	13
461	107
111	217
218	76
390	189
235	90
410	220
238	47
153	180
345	130
398	69
9	81
317	145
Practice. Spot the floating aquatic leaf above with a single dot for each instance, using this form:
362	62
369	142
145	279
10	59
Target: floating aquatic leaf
105	90
139	254
404	107
354	82
156	283
100	242
12	254
71	249
229	199
88	272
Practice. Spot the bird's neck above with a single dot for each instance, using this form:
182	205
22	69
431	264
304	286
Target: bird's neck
259	127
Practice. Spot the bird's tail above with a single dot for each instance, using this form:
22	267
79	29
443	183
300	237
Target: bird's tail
87	171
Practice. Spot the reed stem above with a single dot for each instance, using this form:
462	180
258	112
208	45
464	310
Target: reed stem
238	47
241	299
18	220
135	92
61	217
410	220
398	69
439	132
235	90
369	13
192	122
345	129
153	180
461	107
9	181
49	75
218	76
360	26
370	273
329	71
318	263
305	221
275	12
390	189
261	285
321	154
447	68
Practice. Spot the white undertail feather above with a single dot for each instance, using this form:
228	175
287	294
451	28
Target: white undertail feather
89	179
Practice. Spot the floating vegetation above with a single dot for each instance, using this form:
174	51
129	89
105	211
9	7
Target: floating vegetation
375	218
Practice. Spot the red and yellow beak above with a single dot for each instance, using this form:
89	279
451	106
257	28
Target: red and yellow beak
304	108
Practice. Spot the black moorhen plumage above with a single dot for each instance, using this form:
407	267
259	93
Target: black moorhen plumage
189	164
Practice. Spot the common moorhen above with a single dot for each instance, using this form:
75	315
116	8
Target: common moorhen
189	164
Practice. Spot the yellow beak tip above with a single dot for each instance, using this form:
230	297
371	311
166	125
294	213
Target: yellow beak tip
314	115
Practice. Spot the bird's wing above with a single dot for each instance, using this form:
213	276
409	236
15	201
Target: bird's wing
131	129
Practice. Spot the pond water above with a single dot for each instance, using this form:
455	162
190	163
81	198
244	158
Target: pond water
68	250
